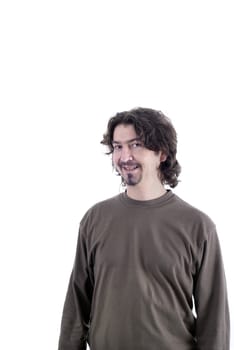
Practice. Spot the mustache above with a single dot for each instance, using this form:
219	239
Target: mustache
128	163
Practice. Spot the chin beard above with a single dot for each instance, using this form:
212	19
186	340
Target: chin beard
130	180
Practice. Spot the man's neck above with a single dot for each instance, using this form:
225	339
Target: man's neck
144	194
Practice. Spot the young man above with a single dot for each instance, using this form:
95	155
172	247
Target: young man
145	257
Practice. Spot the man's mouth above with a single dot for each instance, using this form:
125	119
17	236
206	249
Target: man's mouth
129	168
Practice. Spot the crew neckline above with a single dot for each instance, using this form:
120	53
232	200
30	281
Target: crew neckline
157	202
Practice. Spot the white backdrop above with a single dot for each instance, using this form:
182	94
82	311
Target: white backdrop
66	67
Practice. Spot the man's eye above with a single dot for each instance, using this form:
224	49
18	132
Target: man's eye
116	147
136	144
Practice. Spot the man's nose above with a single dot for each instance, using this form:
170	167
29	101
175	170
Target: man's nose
126	154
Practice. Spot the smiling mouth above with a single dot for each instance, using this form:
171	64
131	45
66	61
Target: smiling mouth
129	168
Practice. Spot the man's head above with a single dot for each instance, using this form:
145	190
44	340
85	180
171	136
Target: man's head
130	134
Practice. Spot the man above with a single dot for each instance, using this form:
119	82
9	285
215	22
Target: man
145	257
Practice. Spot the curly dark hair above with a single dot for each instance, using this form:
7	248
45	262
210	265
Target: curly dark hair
157	134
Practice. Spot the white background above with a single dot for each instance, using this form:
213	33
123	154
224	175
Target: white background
66	67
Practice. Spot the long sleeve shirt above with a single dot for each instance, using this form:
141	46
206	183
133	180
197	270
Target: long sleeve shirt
141	267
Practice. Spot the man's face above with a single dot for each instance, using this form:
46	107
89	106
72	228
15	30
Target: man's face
135	163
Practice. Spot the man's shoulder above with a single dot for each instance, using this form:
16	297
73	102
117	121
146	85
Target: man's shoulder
193	214
105	203
102	207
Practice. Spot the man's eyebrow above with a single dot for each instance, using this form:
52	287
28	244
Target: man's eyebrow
128	141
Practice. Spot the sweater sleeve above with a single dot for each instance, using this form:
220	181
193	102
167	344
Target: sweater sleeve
77	306
210	295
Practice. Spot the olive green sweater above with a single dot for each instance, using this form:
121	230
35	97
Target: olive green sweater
138	267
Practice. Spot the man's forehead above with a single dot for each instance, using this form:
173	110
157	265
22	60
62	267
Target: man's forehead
124	132
127	141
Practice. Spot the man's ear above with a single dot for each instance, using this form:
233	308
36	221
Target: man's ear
163	156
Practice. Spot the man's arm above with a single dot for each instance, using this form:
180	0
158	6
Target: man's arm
77	307
210	294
